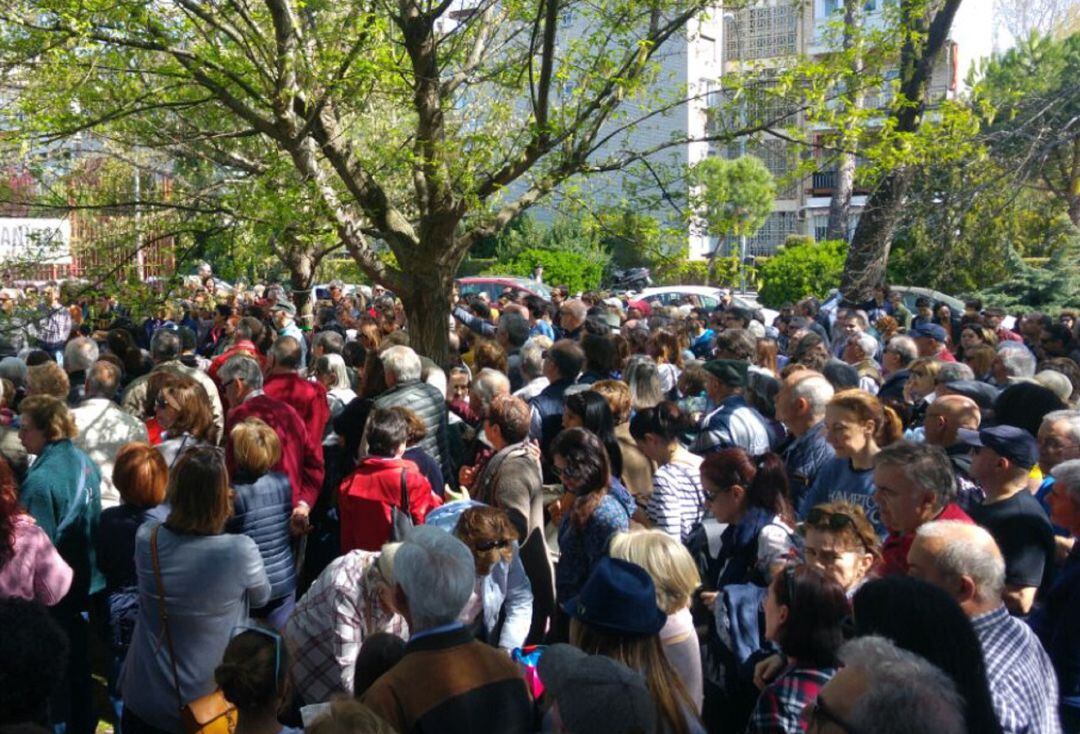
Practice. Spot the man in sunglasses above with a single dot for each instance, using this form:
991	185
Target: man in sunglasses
913	485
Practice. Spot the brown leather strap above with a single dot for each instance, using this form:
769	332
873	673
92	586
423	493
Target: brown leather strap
404	506
164	614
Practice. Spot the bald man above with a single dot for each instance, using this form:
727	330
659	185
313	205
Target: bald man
944	417
965	561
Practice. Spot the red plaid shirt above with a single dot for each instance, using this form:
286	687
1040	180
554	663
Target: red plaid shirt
779	707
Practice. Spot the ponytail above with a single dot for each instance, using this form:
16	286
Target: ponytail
666	420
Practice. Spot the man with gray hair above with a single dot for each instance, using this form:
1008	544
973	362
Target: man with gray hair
964	560
896	360
913	485
79	354
1013	363
447	681
103	427
165	350
883	689
403	369
572	315
800	406
242	380
1059	441
532	367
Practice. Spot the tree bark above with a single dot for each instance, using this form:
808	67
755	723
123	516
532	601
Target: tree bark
427	308
839	225
869	253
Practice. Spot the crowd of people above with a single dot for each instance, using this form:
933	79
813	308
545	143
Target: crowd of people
597	514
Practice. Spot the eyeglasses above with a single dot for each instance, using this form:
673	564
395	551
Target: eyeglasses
818	714
161	402
830	520
273	636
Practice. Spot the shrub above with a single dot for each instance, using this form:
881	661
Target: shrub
801	268
580	271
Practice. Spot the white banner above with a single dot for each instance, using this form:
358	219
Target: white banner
41	241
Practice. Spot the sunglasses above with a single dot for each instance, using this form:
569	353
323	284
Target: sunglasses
161	402
486	545
829	520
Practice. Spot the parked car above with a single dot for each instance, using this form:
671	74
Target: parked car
704	296
494	285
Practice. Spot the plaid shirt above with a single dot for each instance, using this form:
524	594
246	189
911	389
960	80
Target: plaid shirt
1023	685
780	705
325	631
54	325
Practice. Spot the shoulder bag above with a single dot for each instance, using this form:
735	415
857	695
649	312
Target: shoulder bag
400	519
210	714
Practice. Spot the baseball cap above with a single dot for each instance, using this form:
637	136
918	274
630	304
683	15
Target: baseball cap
596	693
929	331
984	394
1015	444
285	306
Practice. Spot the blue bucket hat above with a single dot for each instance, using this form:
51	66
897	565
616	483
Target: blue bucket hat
618	597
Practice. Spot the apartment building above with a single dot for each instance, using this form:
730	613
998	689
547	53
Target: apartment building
770	34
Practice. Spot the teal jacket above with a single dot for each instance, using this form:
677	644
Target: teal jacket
62	492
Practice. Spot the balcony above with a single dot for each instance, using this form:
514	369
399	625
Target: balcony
822	183
761	32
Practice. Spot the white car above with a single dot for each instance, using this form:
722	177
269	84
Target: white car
704	296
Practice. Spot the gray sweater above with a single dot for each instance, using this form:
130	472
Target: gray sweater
210	582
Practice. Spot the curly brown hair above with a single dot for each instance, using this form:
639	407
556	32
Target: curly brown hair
489	534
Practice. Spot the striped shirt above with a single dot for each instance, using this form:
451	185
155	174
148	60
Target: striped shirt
1023	685
677	502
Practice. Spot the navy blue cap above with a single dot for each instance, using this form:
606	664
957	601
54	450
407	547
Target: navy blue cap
1015	444
930	331
618	597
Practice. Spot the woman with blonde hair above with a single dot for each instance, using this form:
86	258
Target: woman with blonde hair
262	507
857	425
616	615
196	583
980	358
48	378
676	578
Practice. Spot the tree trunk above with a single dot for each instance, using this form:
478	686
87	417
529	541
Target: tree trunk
427	308
301	264
839	225
869	253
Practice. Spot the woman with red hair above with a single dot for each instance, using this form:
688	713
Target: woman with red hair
30	567
750	496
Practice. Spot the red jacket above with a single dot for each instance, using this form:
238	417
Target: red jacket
308	398
945	356
895	549
301	456
366	496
